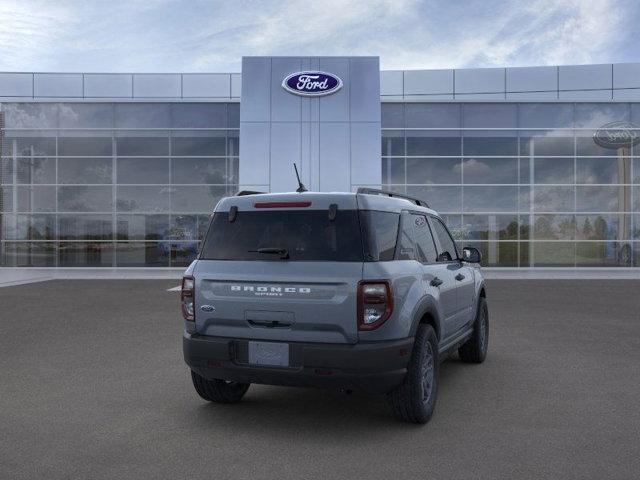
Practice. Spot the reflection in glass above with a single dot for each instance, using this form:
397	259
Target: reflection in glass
603	170
554	227
433	115
85	170
211	143
142	254
497	254
490	199
86	115
36	198
553	254
85	146
433	143
442	199
546	144
603	254
142	170
80	254
392	143
434	170
85	199
603	226
490	170
490	227
36	170
199	170
146	146
553	199
143	199
393	115
85	227
142	115
22	254
142	227
490	115
553	170
196	199
34	227
183	253
36	146
545	115
30	115
489	144
393	170
603	198
199	115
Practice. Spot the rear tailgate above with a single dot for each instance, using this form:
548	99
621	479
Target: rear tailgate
278	300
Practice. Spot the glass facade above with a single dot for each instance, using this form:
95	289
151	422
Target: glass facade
526	183
132	184
112	184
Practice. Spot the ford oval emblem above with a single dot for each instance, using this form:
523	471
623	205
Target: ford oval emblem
616	135
312	83
207	308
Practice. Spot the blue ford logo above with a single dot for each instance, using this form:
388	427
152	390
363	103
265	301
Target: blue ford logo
312	84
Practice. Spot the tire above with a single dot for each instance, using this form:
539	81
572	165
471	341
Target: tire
474	350
414	400
219	391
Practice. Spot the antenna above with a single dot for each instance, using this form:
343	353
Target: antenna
301	188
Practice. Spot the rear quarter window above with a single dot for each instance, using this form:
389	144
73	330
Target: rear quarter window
379	233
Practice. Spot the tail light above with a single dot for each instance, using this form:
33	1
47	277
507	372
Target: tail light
187	298
375	303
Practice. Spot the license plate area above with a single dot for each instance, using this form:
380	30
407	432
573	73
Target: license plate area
273	354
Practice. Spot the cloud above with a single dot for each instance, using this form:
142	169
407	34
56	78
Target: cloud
167	35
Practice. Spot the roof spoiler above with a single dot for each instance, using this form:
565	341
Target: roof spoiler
243	193
374	191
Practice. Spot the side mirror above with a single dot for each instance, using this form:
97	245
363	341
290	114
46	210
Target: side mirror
471	255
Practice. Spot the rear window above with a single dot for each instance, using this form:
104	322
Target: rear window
306	235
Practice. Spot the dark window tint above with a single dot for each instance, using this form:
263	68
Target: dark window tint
379	231
406	240
447	250
426	249
306	235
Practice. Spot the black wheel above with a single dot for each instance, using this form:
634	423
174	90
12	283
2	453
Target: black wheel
219	391
415	399
474	350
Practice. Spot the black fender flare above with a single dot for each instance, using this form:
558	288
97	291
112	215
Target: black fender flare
427	305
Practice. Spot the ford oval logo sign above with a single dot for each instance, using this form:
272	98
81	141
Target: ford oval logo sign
617	135
312	84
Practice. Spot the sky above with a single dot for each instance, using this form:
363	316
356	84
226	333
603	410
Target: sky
212	36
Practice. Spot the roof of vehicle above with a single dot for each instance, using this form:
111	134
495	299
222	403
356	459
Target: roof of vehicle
320	201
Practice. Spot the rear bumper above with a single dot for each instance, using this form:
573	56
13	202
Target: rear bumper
374	367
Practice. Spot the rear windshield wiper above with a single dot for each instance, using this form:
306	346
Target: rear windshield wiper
284	254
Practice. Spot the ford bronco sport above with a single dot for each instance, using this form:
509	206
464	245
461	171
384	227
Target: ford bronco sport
363	290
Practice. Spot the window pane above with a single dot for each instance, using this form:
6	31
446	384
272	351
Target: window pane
142	227
434	170
603	227
211	144
142	146
142	115
432	115
85	170
598	114
199	170
603	170
379	233
142	254
553	254
491	199
183	253
585	145
424	240
487	115
603	199
188	227
393	170
490	170
37	199
546	144
6	170
490	145
199	115
603	254
441	199
79	254
143	199
85	199
36	170
392	115
233	143
196	199
392	142
29	146
41	254
30	115
34	227
554	199
447	249
554	227
86	115
6	199
233	112
490	227
545	115
91	146
553	170
433	143
406	242
497	254
142	170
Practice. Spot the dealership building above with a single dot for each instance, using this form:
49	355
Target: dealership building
536	166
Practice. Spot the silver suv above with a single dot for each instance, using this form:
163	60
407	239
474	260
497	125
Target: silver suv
363	290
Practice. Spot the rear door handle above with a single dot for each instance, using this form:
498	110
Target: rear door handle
459	277
436	282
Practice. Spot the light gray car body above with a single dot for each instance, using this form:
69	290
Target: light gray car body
317	301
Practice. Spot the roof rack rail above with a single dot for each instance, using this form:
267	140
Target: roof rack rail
375	191
242	193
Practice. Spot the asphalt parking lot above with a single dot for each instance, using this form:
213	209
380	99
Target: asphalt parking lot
92	385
